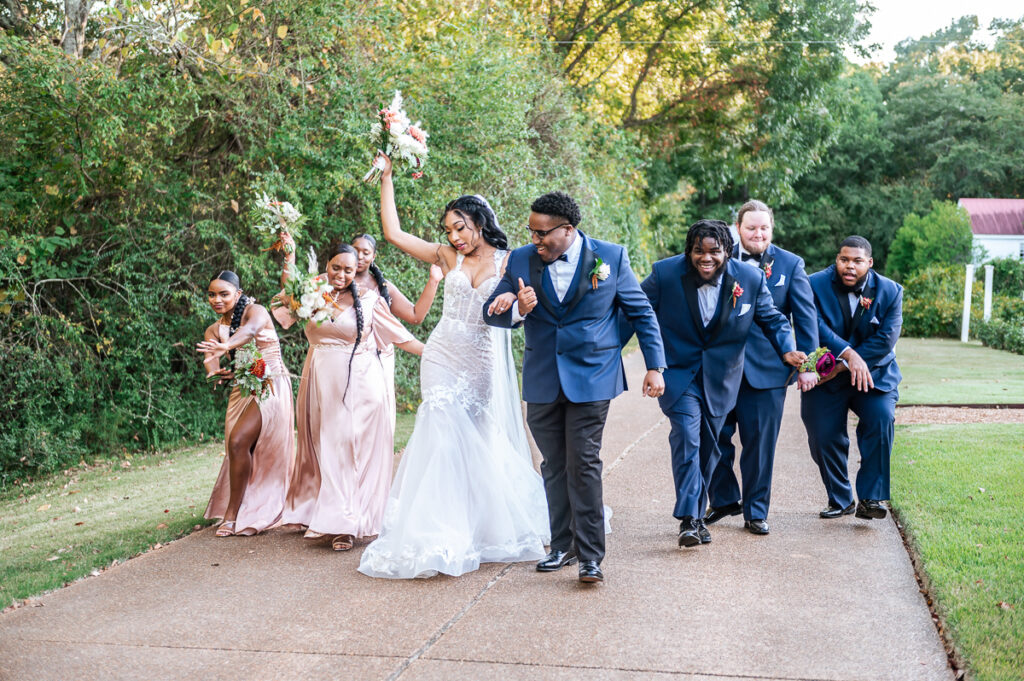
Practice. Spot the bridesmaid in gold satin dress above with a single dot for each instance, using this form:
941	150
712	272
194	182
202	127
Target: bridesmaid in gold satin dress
258	436
345	452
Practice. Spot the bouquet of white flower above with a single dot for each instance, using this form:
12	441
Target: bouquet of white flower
307	296
273	218
393	134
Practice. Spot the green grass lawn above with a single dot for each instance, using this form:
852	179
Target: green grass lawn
958	491
64	526
944	371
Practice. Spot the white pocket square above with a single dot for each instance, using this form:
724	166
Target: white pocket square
782	280
744	309
874	320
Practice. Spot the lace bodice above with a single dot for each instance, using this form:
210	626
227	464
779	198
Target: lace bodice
459	356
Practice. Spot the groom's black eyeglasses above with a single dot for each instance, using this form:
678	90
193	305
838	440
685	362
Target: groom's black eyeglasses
541	233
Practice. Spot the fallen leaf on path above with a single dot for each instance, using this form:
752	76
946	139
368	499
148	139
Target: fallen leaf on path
162	526
43	507
80	522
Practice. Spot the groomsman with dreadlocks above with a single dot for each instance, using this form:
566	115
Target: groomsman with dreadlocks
705	303
758	411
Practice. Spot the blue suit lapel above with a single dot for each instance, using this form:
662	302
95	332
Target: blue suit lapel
690	293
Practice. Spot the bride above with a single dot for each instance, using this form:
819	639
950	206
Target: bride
466	491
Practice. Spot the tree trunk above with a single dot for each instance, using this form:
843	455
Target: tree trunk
76	14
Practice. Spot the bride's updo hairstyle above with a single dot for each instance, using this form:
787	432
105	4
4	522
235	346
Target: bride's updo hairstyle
476	208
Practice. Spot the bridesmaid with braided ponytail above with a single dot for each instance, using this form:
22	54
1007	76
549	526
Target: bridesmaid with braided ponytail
369	275
250	490
345	452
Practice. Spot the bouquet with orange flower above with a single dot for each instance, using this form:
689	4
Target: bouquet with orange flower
274	218
251	373
397	138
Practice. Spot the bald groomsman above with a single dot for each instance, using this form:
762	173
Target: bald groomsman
762	395
860	314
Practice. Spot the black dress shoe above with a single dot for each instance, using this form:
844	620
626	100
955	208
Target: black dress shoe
715	514
756	526
590	571
834	511
556	560
702	532
870	508
688	534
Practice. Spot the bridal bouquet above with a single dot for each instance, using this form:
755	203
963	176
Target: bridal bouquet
307	296
273	218
822	362
398	139
251	372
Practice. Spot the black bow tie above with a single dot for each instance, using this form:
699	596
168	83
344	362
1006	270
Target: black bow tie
855	290
563	258
750	256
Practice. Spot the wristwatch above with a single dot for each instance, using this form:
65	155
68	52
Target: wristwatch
660	370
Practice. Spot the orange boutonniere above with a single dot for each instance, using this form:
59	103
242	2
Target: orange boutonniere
737	291
865	302
768	269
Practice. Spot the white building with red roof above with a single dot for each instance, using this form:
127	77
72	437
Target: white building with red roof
998	226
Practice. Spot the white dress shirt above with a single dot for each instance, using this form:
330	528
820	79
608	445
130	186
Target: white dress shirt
854	301
707	297
561	273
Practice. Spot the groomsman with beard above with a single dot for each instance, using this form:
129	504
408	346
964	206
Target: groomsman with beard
762	395
860	314
705	304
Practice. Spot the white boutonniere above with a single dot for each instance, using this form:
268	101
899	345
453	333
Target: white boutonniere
600	272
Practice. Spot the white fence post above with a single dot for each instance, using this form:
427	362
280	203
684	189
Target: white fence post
965	326
988	292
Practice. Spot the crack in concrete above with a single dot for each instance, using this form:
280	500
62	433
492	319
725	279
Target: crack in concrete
448	625
166	646
645	670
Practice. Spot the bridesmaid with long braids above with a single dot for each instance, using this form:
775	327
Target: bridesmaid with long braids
345	451
369	275
250	490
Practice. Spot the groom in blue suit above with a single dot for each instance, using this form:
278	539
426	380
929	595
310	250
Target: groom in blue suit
705	303
568	289
860	314
762	396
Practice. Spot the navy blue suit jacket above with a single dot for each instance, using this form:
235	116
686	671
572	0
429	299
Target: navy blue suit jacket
791	293
574	345
718	350
875	328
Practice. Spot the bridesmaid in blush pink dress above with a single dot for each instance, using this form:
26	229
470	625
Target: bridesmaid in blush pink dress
258	436
345	454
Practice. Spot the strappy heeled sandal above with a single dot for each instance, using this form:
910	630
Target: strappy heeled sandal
312	534
343	542
226	529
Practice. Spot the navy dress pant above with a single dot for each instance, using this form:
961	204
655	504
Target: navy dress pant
825	416
694	443
758	415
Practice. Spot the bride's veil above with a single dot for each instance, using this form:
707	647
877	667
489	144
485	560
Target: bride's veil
508	412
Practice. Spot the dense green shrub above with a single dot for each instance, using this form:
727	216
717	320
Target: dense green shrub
1008	276
1002	334
126	181
933	303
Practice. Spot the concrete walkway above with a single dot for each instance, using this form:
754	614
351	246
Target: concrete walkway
815	599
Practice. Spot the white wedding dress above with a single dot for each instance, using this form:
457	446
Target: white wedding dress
466	491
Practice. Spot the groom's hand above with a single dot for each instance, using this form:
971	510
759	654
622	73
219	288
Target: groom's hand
527	298
654	383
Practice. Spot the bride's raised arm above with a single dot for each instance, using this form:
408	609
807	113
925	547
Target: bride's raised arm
442	255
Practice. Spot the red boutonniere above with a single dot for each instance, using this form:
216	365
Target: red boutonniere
768	269
865	302
737	291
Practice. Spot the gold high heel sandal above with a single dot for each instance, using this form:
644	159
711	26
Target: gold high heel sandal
226	529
